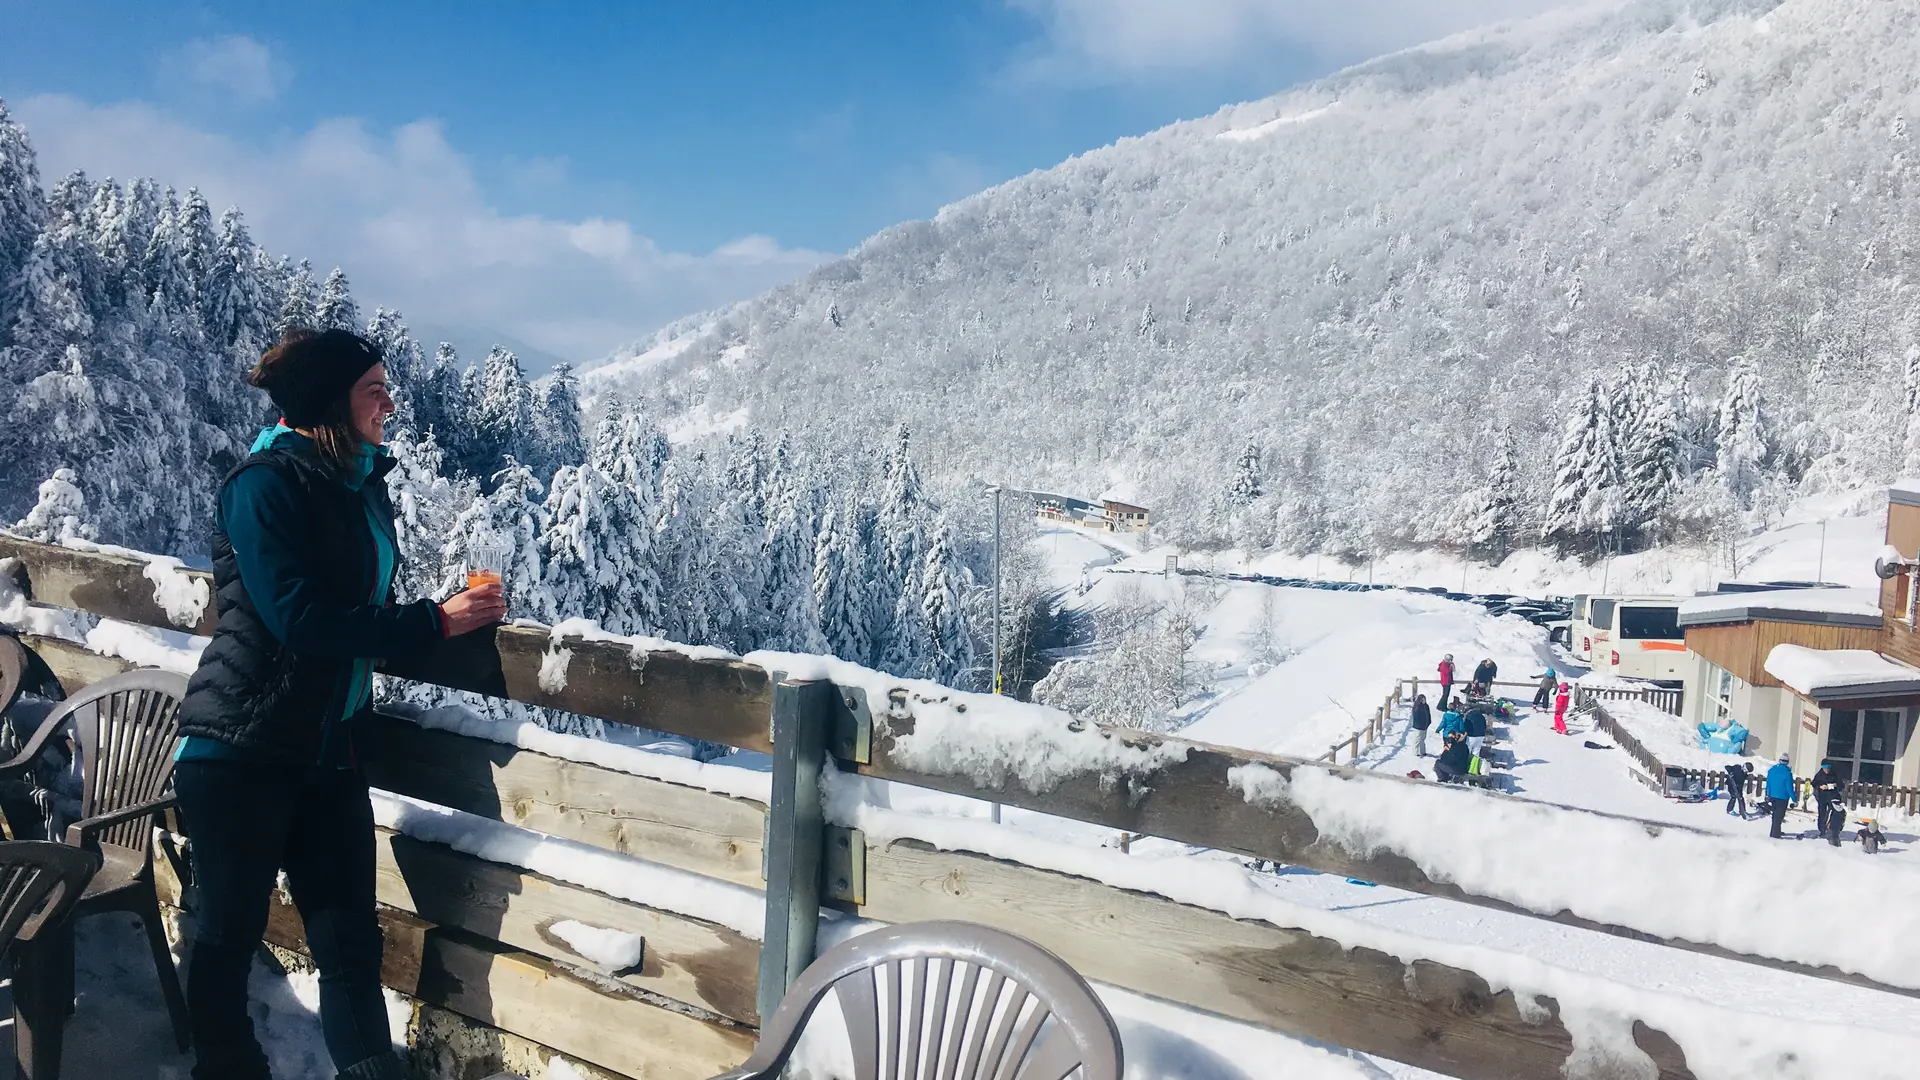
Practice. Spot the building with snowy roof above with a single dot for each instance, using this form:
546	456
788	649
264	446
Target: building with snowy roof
1818	674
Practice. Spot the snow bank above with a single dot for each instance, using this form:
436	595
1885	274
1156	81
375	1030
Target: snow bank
1829	672
146	646
612	950
656	886
672	768
993	741
1747	895
1667	737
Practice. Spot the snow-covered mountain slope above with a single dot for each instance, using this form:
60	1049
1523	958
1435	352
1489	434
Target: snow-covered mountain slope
1371	276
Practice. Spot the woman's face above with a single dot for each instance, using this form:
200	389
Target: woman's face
371	405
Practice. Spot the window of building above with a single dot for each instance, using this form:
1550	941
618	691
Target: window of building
1863	744
1719	696
1650	624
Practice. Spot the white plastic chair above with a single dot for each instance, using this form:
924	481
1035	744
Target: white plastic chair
960	1002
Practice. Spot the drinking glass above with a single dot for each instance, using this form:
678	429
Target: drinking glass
487	557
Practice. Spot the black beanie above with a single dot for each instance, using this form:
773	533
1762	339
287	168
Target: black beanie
315	373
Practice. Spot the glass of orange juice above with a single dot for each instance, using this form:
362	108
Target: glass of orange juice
487	557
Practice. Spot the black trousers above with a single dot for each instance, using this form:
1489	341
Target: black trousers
1736	798
248	822
1832	818
1446	688
1779	808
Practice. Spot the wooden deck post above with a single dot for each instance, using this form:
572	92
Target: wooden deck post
796	837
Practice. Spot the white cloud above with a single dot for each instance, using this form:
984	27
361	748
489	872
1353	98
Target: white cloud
235	65
1125	39
403	213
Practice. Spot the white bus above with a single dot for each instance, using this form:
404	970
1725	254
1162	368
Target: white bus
1637	637
1580	634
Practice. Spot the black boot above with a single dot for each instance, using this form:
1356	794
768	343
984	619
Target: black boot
386	1066
245	1062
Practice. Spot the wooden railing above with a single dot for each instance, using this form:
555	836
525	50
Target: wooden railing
1661	697
475	936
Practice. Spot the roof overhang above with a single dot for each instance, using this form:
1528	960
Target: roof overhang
1904	492
1762	611
1825	675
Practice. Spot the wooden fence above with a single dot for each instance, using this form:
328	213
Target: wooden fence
476	936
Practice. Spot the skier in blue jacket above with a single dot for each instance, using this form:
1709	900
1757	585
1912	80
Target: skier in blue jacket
1779	793
1452	723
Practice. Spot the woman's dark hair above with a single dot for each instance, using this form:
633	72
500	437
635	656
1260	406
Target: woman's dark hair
310	376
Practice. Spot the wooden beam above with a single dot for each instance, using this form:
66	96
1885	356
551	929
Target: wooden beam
723	701
707	966
592	1020
686	828
1191	801
74	665
1423	1014
110	585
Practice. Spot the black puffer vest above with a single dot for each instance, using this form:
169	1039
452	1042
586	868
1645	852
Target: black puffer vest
250	691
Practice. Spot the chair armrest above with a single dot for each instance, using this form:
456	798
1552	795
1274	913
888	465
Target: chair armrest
85	833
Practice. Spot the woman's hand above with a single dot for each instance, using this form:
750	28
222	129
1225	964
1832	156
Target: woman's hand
465	612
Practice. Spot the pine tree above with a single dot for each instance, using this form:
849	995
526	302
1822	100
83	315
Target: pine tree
426	505
61	513
557	419
22	212
502	414
1493	522
1579	470
336	310
1741	438
297	308
1653	463
1247	487
902	554
946	649
787	596
839	585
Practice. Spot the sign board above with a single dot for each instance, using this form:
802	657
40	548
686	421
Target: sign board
1810	718
1173	565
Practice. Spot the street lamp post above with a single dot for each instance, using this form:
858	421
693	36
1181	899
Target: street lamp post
996	588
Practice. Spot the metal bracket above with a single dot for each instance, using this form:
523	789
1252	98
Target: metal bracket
852	735
846	866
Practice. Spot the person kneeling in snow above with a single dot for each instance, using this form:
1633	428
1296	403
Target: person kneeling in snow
1779	793
1421	720
1451	766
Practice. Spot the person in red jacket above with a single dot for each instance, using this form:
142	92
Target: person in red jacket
1560	701
1446	680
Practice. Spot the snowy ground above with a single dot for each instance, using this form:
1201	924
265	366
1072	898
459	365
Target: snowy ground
1830	537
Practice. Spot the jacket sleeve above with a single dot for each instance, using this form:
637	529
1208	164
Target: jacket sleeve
270	529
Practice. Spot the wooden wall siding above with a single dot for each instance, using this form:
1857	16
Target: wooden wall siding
1742	648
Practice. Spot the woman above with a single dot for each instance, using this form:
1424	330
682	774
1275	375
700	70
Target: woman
304	554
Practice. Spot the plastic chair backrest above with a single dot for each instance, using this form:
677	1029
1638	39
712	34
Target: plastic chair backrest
126	727
949	1001
39	882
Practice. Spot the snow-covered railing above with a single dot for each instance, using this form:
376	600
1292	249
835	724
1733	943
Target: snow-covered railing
517	846
1661	697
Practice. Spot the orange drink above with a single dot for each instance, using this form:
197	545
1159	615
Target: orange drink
477	578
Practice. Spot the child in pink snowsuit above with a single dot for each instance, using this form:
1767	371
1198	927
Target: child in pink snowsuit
1560	710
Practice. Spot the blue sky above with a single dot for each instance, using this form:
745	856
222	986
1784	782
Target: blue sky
570	176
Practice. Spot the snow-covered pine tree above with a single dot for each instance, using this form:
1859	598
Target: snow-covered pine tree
839	584
1742	437
1248	486
504	420
427	504
60	514
947	649
600	543
336	310
557	420
22	212
1578	470
400	355
440	405
791	613
902	539
1493	521
297	305
1653	464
